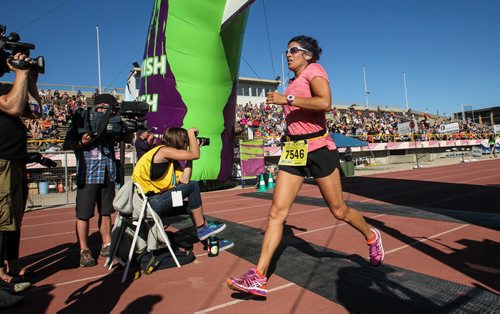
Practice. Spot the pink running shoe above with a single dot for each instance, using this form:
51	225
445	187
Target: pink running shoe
250	283
376	249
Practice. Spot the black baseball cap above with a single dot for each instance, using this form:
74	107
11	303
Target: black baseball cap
105	99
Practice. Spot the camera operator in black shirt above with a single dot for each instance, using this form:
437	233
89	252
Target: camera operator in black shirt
14	103
144	141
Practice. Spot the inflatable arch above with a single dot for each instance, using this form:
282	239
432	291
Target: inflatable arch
190	71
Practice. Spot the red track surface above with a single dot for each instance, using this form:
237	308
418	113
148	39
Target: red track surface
458	252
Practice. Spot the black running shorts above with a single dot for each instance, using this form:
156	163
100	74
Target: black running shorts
320	163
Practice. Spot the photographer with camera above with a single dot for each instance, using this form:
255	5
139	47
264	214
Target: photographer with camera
96	173
167	183
144	141
13	149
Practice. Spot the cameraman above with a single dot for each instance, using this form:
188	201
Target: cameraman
13	149
96	173
144	141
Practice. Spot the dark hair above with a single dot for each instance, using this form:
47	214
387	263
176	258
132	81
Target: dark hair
310	44
175	137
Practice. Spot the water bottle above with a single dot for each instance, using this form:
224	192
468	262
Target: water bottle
213	246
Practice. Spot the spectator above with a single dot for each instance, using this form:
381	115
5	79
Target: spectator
46	125
491	141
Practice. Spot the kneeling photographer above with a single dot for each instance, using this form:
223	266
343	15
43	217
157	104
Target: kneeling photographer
167	183
14	103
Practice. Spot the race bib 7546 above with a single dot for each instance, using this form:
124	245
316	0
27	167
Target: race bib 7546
294	154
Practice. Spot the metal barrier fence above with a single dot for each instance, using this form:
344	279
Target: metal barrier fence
48	187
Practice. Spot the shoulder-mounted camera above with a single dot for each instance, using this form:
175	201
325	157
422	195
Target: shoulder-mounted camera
9	46
115	121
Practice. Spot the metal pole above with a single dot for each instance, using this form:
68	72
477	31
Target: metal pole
406	92
122	163
98	59
366	88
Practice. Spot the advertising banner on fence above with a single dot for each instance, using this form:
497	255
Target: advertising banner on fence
407	127
252	157
449	128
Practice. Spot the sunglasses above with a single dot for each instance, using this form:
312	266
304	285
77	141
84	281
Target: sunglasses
294	50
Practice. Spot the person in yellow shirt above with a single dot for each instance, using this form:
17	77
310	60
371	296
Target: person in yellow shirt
161	176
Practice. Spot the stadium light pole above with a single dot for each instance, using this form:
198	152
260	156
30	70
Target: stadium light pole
98	59
406	91
366	87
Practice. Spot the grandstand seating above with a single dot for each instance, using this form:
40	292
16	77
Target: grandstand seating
373	124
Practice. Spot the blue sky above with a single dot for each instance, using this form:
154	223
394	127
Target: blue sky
449	49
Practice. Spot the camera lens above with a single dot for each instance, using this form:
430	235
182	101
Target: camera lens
205	141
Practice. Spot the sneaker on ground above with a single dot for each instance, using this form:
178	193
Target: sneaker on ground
209	229
105	250
86	259
7	299
376	249
250	283
14	287
225	244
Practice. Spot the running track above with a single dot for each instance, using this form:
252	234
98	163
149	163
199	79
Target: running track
441	235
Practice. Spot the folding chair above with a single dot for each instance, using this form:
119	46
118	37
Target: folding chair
146	212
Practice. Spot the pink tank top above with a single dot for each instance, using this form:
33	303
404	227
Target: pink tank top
302	121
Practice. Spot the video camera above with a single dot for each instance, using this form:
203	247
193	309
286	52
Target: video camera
117	121
38	158
12	43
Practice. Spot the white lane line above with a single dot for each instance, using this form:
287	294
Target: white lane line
333	226
235	209
80	280
456	197
49	223
72	281
54	234
432	188
426	239
427	180
44	215
291	214
221	306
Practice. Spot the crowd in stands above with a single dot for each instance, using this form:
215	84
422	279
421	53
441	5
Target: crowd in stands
369	125
382	126
57	108
260	120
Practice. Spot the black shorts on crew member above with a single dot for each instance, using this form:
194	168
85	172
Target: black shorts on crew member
320	163
89	195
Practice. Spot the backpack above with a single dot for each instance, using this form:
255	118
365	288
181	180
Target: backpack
123	201
162	259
